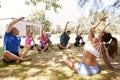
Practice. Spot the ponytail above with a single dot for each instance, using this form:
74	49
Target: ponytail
113	47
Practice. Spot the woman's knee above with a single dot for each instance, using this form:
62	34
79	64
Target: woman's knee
65	57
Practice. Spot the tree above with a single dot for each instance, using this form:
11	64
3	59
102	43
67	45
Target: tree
58	29
0	4
49	4
37	16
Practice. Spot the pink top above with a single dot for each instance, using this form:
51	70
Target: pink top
28	40
43	40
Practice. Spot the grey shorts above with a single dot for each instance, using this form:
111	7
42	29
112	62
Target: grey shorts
84	69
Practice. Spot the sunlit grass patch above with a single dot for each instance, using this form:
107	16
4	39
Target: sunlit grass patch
50	66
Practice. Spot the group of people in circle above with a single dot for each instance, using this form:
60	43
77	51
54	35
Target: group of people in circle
93	47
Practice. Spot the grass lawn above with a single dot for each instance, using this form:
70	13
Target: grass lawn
50	66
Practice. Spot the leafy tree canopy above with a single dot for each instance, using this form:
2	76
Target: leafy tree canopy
49	4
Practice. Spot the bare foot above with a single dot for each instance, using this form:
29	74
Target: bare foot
28	59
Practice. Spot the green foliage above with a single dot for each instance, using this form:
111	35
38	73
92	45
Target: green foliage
37	16
1	49
87	22
49	4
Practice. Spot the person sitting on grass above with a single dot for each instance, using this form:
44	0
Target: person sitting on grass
79	39
64	39
11	44
92	49
28	40
44	39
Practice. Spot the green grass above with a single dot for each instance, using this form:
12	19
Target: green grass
50	66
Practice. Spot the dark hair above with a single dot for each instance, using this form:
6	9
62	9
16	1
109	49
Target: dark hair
106	37
113	45
68	31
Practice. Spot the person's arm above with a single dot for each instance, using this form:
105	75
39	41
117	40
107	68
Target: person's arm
105	59
77	30
102	32
42	30
66	26
82	39
91	32
33	40
106	26
10	26
27	31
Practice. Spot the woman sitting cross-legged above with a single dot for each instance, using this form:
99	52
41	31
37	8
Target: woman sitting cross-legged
45	42
92	49
79	39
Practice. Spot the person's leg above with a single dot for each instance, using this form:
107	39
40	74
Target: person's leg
70	62
45	47
76	44
38	48
8	56
51	45
21	46
31	47
68	45
61	46
25	51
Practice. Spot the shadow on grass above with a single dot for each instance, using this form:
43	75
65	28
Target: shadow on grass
51	66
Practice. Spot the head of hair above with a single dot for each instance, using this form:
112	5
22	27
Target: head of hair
113	45
68	31
15	31
106	36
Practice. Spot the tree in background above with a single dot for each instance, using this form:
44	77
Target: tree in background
58	29
49	4
38	16
87	22
98	9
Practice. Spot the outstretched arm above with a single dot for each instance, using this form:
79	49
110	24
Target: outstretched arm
42	30
66	26
10	26
106	26
102	32
105	58
91	32
77	29
27	31
33	40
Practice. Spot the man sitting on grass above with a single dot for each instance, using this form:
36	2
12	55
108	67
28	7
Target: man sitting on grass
64	39
11	44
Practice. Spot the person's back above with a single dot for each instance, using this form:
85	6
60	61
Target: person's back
64	38
92	49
